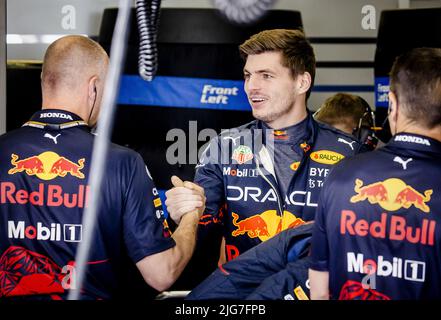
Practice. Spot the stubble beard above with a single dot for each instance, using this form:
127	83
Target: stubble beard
274	114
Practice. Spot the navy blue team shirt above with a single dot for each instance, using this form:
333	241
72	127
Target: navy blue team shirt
378	224
44	172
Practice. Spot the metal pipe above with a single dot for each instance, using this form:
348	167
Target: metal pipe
101	144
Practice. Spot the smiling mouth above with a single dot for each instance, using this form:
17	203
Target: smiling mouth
256	101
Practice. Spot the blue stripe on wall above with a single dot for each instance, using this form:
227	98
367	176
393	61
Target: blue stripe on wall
198	93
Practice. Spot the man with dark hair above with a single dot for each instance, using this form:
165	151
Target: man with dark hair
265	176
43	184
351	114
377	230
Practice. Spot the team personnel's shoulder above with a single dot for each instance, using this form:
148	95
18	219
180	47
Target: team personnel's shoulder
8	135
349	166
122	152
123	158
338	140
332	131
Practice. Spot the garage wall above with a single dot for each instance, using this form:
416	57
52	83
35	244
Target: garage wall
344	49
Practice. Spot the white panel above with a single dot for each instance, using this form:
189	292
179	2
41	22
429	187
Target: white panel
317	98
187	4
344	76
26	51
336	18
415	4
46	16
344	52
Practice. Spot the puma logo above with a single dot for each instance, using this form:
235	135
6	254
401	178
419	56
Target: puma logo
347	142
47	135
231	138
402	162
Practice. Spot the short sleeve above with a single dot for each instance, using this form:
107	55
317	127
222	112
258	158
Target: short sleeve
144	225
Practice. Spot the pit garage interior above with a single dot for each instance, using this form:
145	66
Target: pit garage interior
355	42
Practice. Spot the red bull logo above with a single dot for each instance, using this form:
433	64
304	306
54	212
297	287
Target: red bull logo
63	166
388	227
31	165
280	135
47	166
391	194
409	196
46	195
305	147
264	225
254	226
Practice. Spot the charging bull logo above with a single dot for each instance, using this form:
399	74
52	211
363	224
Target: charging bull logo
375	192
63	166
31	165
255	226
353	290
47	166
264	225
391	194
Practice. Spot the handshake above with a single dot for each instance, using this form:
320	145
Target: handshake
184	197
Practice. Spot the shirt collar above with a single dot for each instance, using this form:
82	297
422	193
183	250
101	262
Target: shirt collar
55	116
308	123
415	142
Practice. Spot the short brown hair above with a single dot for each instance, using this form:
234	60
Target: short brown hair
415	79
297	52
345	109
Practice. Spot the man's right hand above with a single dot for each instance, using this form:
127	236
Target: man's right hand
183	198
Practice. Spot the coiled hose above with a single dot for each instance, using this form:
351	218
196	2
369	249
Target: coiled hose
147	15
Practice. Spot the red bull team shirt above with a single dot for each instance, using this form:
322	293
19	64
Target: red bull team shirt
44	172
244	197
378	225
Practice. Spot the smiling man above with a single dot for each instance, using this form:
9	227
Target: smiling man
265	176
